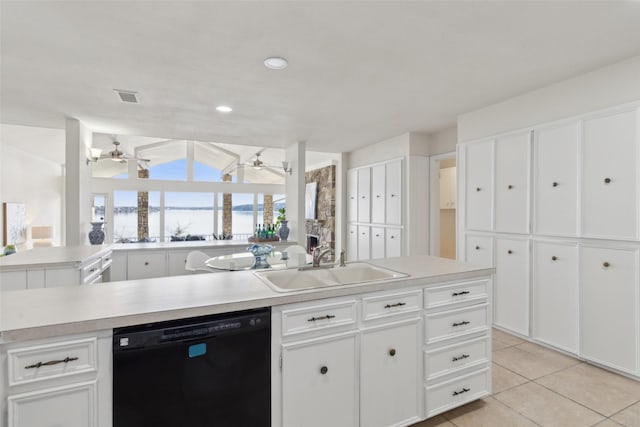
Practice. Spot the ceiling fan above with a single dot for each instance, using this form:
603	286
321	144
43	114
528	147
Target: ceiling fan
117	155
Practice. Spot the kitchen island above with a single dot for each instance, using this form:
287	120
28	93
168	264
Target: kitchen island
441	311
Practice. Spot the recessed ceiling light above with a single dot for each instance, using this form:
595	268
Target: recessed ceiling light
224	109
276	63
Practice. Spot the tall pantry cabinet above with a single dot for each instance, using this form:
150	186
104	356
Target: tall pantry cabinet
555	208
374	211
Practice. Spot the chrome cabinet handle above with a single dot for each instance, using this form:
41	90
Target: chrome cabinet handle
327	317
51	362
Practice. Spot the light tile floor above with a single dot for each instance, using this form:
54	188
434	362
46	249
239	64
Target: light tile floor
535	386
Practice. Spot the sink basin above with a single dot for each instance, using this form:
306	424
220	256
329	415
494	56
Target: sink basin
292	280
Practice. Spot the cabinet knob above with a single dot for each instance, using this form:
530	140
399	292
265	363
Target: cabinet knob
392	352
477	188
477	248
363	197
393	195
606	264
324	370
510	187
392	237
377	196
509	251
146	263
352	197
554	258
363	233
607	180
555	184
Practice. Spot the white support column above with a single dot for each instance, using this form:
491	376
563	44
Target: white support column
77	183
295	155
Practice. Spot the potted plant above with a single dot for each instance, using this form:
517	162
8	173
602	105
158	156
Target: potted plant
281	223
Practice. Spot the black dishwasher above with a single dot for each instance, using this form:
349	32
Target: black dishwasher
199	372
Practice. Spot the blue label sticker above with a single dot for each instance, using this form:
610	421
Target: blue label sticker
197	350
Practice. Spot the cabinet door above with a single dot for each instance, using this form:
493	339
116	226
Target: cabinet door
390	377
479	185
13	280
146	265
69	406
352	195
609	192
177	261
394	192
364	195
393	242
377	242
378	188
118	269
352	243
511	292
363	243
512	184
319	383
609	322
556	166
555	295
479	250
56	277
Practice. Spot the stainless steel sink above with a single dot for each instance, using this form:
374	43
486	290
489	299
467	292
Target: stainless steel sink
293	280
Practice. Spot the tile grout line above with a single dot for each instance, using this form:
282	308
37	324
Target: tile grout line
570	399
623	409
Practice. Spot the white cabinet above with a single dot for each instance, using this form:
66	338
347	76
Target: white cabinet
556	294
13	280
393	242
377	242
64	381
512	184
609	176
145	265
511	292
555	173
609	311
319	382
448	188
479	185
389	380
378	194
479	250
394	197
352	196
119	266
352	242
364	195
364	248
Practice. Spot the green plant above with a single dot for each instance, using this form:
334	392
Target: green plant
281	217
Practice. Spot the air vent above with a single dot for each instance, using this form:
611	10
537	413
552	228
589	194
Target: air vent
127	96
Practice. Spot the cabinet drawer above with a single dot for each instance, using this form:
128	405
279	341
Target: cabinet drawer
106	260
56	360
146	265
91	270
383	306
444	396
319	317
451	358
456	293
454	323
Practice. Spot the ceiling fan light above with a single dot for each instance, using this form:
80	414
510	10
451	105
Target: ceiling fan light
95	152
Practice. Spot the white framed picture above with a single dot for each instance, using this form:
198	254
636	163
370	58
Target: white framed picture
310	193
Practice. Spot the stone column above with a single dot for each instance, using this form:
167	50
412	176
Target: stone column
227	205
267	209
143	207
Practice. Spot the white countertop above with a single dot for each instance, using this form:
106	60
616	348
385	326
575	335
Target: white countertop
41	313
52	256
195	244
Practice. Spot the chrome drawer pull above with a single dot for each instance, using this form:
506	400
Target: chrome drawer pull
398	304
464	390
51	362
455	294
464	356
328	316
464	322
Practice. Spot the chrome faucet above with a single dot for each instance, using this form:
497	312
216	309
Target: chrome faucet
343	255
319	253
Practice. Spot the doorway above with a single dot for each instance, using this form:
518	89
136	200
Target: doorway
443	199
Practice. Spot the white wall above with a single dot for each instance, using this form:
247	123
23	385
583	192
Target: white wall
33	179
606	87
77	213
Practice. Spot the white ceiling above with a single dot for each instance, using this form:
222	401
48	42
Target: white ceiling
359	72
